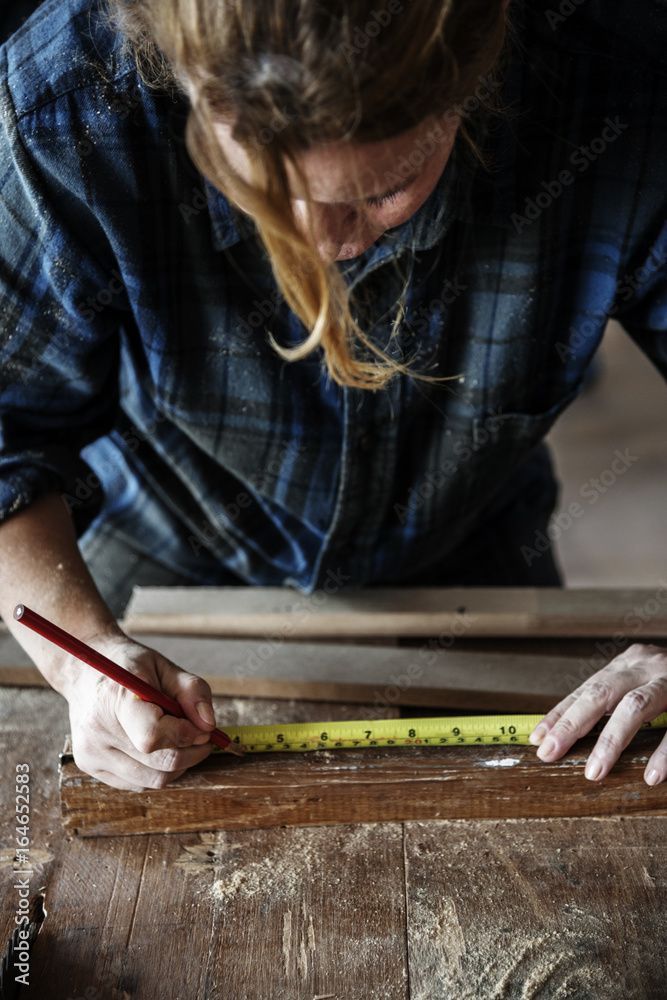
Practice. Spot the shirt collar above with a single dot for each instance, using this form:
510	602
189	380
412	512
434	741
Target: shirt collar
228	224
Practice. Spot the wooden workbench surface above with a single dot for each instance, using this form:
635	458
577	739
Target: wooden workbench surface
462	909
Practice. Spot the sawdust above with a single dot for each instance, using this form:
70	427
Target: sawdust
514	920
268	876
493	967
272	876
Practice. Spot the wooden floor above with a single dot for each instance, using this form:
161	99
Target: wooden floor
620	539
442	910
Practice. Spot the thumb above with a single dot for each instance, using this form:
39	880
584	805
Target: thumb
191	692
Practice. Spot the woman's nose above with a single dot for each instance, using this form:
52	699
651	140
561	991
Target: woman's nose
337	228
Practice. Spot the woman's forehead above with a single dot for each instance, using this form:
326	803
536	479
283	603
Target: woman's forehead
343	172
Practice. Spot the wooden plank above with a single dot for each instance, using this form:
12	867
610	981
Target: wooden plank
447	678
537	909
392	611
360	786
480	679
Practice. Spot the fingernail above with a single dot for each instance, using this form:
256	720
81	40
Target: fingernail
593	769
200	739
205	713
538	734
547	747
653	777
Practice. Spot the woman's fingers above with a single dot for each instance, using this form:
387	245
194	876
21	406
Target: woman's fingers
150	730
102	753
577	715
632	689
656	769
551	718
637	706
129	774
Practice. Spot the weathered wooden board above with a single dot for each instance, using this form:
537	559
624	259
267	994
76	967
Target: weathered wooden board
466	676
448	678
537	909
365	786
392	611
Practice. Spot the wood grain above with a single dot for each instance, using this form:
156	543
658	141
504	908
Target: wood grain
267	915
392	611
537	909
447	678
365	786
467	676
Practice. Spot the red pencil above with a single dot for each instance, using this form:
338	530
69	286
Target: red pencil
90	656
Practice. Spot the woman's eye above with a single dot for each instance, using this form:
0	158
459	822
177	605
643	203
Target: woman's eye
384	200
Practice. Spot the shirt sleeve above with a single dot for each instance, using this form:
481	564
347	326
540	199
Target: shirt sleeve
641	294
60	310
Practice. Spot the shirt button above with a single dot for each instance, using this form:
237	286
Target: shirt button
366	442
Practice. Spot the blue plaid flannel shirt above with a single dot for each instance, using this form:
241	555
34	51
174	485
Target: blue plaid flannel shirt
136	377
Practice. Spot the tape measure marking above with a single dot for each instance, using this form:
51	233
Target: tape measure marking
444	731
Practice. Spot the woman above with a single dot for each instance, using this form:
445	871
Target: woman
293	293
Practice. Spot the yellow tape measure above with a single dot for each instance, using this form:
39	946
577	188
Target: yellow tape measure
444	731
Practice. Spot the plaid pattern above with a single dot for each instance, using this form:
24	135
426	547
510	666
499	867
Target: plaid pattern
136	376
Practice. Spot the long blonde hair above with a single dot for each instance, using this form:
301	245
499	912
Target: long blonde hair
292	75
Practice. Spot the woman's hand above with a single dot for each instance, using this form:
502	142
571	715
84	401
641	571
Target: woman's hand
632	688
125	741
